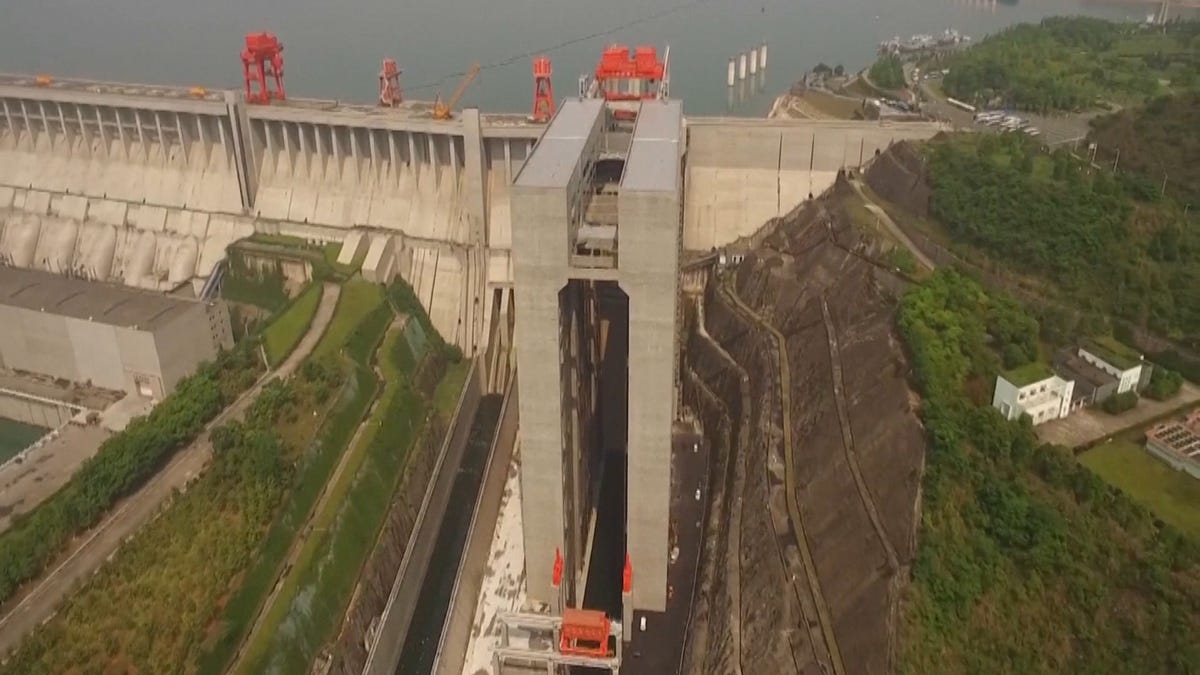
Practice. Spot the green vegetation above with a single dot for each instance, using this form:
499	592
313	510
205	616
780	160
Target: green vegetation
121	465
309	606
321	256
1173	496
887	73
339	365
1113	351
1072	63
1164	383
1119	403
146	610
1107	250
358	300
16	436
285	330
1158	141
254	283
1035	371
1027	563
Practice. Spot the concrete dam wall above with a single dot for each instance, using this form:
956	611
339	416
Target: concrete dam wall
147	185
743	172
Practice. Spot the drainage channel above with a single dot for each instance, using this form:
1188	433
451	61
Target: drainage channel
420	646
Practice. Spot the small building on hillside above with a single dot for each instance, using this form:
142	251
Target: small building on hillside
1125	364
1092	384
1035	390
1177	443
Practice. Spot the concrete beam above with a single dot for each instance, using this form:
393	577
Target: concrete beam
475	185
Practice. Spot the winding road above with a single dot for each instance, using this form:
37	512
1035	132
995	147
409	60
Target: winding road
29	609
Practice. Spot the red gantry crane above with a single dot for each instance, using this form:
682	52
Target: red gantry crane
390	93
263	57
543	90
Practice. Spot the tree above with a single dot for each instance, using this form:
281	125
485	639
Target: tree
887	72
839	70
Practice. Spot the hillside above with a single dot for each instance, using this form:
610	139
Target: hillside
1158	140
1027	562
1076	63
1077	237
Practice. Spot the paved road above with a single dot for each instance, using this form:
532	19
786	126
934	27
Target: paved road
95	547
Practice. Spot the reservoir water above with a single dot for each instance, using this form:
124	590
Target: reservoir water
333	49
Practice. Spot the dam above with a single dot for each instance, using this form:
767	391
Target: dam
147	185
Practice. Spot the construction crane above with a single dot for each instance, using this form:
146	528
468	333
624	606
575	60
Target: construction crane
262	59
443	111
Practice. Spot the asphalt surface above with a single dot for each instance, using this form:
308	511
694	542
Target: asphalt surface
35	606
658	650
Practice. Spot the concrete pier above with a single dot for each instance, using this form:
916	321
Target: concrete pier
742	66
753	61
731	75
762	56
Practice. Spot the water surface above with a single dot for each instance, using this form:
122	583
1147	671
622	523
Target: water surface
333	48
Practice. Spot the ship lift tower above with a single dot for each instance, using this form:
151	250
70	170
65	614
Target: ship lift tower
263	58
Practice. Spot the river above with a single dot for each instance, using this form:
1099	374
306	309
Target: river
333	47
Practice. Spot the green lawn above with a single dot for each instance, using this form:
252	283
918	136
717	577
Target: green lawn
1172	495
359	298
284	333
445	397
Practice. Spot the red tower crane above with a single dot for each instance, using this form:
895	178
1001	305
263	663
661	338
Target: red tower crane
543	90
263	57
390	93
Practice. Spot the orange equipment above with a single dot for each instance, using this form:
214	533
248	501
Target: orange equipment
390	94
556	579
543	90
625	76
627	576
443	111
584	633
263	56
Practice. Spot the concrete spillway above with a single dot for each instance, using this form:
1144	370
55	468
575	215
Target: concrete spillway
148	185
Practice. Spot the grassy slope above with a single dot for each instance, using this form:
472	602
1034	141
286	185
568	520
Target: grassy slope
284	332
1171	495
1158	140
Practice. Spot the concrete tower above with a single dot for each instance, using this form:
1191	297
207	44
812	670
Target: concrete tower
596	222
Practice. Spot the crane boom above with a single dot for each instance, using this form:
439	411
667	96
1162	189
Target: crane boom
443	111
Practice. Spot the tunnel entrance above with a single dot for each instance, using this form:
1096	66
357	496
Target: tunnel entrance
596	380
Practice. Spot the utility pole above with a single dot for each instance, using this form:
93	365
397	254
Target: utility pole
1116	160
1164	187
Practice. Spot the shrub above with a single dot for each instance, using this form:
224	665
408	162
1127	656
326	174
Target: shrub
1164	384
1119	403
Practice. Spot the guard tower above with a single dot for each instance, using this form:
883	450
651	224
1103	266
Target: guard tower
596	213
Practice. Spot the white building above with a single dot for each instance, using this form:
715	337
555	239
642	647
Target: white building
1122	363
1033	391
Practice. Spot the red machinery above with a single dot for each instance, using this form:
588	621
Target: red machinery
263	56
623	75
390	94
543	90
584	633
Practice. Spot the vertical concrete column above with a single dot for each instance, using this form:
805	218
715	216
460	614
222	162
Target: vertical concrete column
762	56
393	154
141	131
412	158
475	184
99	128
753	61
731	75
244	160
83	134
182	137
539	233
742	66
8	117
62	119
433	159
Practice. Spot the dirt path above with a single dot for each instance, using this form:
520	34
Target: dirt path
102	541
893	228
824	615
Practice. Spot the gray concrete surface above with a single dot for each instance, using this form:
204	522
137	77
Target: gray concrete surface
1093	424
397	616
26	481
38	601
473	568
555	338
